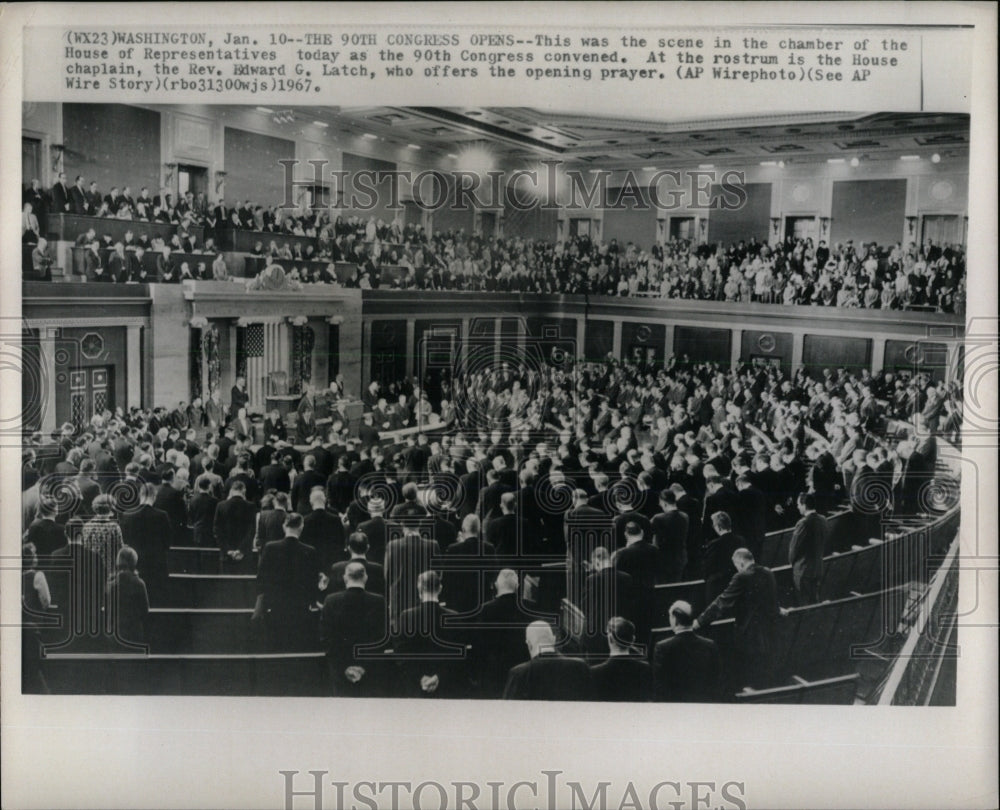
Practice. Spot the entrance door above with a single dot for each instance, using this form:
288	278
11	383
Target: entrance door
438	355
193	179
800	228
91	391
682	228
31	160
579	226
487	224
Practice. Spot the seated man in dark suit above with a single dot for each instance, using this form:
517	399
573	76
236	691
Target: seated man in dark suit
357	546
687	666
626	675
431	655
548	675
352	618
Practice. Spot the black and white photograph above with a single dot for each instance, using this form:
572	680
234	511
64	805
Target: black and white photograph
562	400
697	440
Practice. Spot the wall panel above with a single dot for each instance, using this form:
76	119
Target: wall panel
868	211
752	219
830	351
633	223
755	343
252	168
114	144
701	345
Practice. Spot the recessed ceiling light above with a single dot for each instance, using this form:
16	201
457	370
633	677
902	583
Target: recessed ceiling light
769	163
322	124
935	158
649	168
267	110
781	164
909	157
452	155
413	146
706	165
855	162
836	160
369	136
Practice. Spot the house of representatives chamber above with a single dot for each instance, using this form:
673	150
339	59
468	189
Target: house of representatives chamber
292	428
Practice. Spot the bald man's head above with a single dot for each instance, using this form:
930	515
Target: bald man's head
507	581
539	637
355	575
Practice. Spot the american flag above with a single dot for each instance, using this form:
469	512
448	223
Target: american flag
253	346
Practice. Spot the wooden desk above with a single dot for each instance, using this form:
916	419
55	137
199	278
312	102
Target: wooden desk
148	260
244	241
67	227
283	403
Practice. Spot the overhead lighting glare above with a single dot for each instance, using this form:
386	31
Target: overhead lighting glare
321	124
369	136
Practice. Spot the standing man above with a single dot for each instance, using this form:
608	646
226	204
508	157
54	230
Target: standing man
235	523
687	666
805	553
287	580
406	558
148	530
548	675
238	397
352	618
60	196
670	533
752	598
